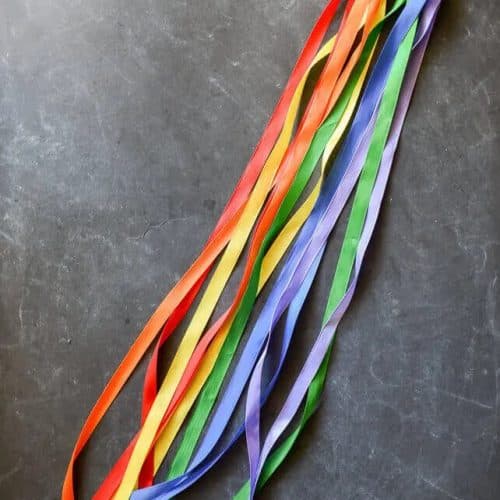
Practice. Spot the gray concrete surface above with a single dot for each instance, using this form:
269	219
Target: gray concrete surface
124	126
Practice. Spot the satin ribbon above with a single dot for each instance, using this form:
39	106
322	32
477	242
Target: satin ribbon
346	259
207	397
271	259
378	141
110	482
332	77
243	368
252	417
239	377
224	270
180	295
193	381
195	460
213	385
253	402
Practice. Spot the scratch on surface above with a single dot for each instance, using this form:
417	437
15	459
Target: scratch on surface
378	379
288	4
11	472
217	84
160	225
453	395
97	108
463	398
7	237
371	369
481	85
438	488
375	376
491	303
40	400
117	69
20	314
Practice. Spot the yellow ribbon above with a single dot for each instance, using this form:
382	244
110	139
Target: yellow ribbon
217	284
271	260
213	292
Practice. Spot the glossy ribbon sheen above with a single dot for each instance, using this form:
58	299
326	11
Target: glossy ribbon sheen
332	78
269	263
241	372
335	183
176	300
377	141
213	385
359	205
348	249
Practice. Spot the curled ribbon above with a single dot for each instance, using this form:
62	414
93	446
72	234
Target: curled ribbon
277	174
175	303
327	91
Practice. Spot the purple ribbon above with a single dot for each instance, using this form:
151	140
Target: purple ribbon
327	334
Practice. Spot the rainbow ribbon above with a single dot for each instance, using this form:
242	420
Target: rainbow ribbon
363	142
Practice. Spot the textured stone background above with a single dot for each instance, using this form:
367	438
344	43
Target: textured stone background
124	125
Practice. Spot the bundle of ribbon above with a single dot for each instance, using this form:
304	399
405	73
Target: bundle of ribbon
353	117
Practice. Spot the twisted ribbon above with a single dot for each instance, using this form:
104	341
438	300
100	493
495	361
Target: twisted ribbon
272	183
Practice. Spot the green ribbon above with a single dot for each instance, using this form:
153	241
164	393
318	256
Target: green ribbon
348	251
213	385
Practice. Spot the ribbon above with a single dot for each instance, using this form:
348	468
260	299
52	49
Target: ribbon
179	489
270	261
281	178
213	385
333	77
349	254
362	197
175	303
244	366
